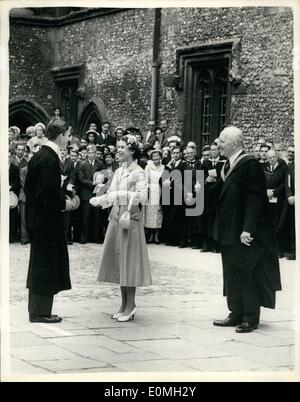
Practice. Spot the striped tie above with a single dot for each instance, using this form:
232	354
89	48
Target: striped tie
227	166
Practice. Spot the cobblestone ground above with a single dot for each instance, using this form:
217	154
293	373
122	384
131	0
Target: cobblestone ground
173	329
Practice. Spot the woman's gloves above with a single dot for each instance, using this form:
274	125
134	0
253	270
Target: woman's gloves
96	201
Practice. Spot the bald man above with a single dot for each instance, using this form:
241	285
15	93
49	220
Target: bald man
244	231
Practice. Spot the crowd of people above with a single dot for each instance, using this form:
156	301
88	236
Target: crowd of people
85	159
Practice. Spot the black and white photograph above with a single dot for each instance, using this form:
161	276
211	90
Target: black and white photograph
148	225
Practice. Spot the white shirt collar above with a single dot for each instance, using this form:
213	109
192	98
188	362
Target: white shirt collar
54	147
234	156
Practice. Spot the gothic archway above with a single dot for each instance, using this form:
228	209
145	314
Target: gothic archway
24	113
94	112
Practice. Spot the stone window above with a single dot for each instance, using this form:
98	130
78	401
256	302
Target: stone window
67	81
204	79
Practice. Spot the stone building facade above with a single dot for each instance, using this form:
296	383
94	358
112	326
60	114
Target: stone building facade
200	68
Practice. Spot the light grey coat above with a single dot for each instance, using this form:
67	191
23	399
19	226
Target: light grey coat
125	258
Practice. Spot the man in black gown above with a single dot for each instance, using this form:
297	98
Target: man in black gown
246	236
48	271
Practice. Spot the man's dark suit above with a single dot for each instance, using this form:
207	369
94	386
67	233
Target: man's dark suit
286	224
290	192
105	139
76	215
173	215
192	225
210	205
275	180
67	168
15	184
251	273
90	215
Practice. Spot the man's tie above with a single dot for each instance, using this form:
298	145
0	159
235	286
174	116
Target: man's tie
226	166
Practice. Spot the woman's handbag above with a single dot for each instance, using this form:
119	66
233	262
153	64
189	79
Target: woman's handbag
124	220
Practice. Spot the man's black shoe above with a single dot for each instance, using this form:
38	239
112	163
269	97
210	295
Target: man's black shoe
228	322
245	327
182	245
53	319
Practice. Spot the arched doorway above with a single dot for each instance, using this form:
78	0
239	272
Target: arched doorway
24	113
94	112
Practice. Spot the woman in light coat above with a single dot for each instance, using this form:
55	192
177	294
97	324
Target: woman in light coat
153	209
125	258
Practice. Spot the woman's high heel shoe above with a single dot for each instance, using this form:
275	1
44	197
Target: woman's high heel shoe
129	317
116	316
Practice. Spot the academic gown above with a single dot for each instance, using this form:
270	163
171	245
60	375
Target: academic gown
243	206
48	271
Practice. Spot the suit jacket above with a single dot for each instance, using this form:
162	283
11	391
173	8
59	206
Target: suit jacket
289	192
14	178
193	167
74	177
109	140
176	181
66	169
290	181
151	140
276	180
218	165
23	174
86	173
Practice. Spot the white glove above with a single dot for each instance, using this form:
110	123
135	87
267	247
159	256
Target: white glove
96	201
70	187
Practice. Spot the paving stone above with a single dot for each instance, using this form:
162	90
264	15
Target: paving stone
176	349
71	364
108	356
155	366
20	367
93	352
91	370
221	364
125	334
255	338
98	340
39	353
21	339
275	356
